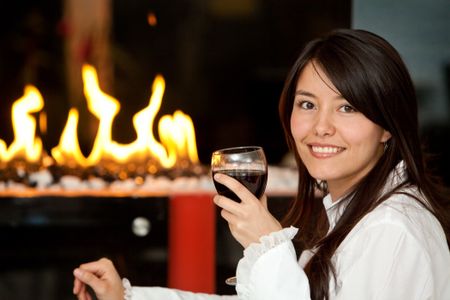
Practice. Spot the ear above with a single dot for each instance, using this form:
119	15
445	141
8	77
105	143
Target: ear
385	136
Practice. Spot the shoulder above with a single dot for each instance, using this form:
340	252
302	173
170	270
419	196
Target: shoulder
405	212
406	207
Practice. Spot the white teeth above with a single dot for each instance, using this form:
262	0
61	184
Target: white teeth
325	149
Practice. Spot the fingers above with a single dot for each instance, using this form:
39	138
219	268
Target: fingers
85	277
227	204
229	217
232	209
76	286
84	296
88	296
91	274
80	290
264	201
99	267
102	277
79	287
238	188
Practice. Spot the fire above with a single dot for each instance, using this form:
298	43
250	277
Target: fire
25	145
177	147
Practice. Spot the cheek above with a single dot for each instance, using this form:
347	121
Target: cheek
366	139
299	128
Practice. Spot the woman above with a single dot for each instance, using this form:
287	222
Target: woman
349	113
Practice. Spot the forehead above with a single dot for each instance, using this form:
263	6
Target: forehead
312	77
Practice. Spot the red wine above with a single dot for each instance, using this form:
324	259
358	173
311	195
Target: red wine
254	180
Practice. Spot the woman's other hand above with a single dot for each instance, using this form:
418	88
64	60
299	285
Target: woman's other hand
248	220
102	277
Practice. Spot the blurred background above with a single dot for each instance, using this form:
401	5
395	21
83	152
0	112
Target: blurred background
224	63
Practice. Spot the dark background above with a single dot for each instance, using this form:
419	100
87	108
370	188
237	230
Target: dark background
224	69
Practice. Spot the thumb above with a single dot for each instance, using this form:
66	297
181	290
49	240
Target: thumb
87	278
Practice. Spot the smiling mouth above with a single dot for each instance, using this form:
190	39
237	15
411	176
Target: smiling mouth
326	150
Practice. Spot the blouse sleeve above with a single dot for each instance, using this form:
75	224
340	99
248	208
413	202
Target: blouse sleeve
254	271
270	270
159	293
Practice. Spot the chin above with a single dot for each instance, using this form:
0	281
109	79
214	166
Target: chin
325	175
319	176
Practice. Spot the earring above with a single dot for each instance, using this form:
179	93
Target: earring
386	145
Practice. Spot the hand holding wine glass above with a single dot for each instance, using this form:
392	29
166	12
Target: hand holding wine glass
247	165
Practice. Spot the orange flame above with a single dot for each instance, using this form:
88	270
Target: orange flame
25	145
177	147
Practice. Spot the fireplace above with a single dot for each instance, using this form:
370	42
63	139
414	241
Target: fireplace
64	208
209	64
146	204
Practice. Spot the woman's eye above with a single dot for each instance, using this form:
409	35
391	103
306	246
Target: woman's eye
306	105
347	109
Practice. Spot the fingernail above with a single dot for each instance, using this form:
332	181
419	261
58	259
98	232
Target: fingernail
77	272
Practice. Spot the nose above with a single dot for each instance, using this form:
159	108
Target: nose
324	124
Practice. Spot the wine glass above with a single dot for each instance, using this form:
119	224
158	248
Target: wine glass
248	165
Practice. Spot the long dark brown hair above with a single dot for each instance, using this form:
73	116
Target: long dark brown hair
370	74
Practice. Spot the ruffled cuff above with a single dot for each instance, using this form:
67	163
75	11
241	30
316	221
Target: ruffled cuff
255	250
127	291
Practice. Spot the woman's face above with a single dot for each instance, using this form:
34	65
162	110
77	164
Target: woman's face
335	142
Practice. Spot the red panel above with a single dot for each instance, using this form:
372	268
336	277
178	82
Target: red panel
192	243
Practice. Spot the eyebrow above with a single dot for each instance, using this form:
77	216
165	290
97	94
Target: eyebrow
305	93
309	94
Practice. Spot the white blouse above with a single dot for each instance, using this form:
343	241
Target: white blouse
397	251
